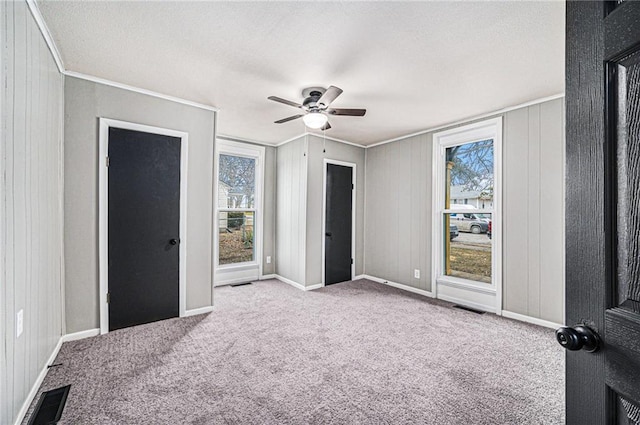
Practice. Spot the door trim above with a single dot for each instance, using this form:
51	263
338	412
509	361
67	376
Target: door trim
103	208
326	162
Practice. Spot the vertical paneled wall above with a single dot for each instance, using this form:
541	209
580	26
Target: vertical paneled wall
291	182
30	206
398	211
315	181
533	203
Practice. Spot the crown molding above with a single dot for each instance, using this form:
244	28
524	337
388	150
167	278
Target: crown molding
470	119
320	136
44	30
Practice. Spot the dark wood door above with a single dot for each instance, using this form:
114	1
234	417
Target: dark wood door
144	227
338	224
603	209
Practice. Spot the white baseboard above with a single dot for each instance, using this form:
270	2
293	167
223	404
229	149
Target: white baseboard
36	385
466	303
268	276
529	319
233	281
360	276
196	311
399	285
298	285
80	335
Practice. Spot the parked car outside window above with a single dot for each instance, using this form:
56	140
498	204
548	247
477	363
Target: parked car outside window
469	222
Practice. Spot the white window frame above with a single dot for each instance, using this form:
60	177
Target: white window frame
480	295
249	270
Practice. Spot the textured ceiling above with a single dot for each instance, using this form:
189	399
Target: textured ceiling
412	65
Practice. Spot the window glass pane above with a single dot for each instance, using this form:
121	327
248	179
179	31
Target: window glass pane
470	175
467	246
237	182
236	237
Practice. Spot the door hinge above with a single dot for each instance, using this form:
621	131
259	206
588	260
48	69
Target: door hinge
108	297
352	261
352	187
106	161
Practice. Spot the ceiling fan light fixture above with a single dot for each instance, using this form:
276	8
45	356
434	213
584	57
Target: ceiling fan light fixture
315	120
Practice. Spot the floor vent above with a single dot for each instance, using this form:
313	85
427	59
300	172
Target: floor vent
473	310
240	284
49	407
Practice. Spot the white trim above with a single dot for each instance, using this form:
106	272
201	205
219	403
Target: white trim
290	282
467	303
473	118
326	162
197	311
360	276
36	385
308	133
105	124
244	140
81	335
139	90
398	285
296	284
529	319
487	129
234	281
268	276
232	147
44	30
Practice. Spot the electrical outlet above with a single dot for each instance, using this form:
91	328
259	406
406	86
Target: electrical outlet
268	259
19	323
416	274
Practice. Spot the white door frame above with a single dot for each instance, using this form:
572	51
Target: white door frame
462	291
240	272
103	209
353	212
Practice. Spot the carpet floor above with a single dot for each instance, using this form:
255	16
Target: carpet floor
352	353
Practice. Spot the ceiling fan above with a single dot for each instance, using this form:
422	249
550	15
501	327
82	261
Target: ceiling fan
315	107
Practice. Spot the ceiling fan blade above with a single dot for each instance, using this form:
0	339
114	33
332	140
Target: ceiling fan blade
327	126
285	101
294	117
330	95
347	111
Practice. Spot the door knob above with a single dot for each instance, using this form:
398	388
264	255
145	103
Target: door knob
174	241
579	337
328	234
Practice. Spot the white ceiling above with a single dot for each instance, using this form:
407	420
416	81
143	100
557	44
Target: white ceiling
412	65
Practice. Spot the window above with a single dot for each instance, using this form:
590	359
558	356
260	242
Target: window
466	199
239	175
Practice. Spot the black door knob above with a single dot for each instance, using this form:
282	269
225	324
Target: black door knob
579	337
174	241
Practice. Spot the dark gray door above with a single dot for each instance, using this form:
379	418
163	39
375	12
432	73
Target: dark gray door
338	224
144	227
603	212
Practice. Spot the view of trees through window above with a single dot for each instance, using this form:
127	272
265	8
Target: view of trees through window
236	204
469	179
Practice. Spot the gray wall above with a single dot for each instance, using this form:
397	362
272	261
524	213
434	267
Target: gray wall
315	180
533	206
398	211
30	206
85	102
269	233
291	181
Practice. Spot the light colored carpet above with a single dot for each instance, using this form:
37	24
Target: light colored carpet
352	353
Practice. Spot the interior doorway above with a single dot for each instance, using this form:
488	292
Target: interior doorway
338	221
142	224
